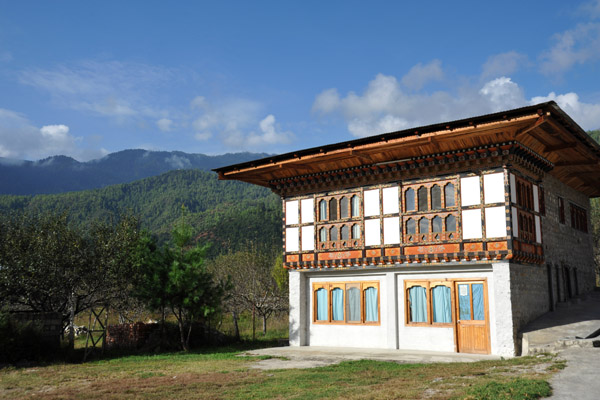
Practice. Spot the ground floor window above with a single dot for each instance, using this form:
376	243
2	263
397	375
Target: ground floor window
346	302
428	302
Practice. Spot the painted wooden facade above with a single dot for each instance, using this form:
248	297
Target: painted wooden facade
446	197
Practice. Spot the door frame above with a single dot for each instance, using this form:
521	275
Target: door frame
485	310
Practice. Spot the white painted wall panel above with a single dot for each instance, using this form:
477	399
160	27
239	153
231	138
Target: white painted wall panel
308	238
371	202
493	188
307	209
471	224
538	229
536	200
391	230
495	222
292	239
342	335
390	200
515	222
291	212
470	191
513	188
372	232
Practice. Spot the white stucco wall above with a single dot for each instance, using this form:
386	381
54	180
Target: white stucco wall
393	332
366	336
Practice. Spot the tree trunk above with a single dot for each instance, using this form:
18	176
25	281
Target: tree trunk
184	343
253	323
264	324
236	328
71	323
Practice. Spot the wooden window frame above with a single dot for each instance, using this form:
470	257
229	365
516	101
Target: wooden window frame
428	284
344	285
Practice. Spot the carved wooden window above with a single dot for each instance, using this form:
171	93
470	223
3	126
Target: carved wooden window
333	234
409	199
345	232
436	224
355	209
578	218
340	213
450	223
323	234
333	207
356	231
436	202
411	227
423	201
449	198
322	210
436	198
344	208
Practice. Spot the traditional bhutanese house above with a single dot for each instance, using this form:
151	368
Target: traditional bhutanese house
448	237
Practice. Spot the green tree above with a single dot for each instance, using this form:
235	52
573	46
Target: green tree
49	265
176	278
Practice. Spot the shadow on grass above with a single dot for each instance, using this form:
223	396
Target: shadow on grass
65	356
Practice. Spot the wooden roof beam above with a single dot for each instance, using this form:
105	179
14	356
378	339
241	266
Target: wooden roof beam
540	121
562	146
575	163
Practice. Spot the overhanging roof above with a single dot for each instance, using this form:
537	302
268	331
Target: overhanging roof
544	128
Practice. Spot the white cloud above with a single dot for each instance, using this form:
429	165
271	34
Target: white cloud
21	139
269	134
420	75
574	46
178	162
585	114
502	64
164	124
502	93
111	88
384	107
237	123
590	9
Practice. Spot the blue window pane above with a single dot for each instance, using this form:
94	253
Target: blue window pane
464	302
478	309
322	305
442	304
371	305
337	304
418	304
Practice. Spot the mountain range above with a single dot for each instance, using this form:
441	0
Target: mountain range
60	174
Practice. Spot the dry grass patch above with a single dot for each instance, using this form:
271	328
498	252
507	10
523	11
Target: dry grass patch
224	375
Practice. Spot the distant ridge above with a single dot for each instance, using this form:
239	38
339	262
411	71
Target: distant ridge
59	174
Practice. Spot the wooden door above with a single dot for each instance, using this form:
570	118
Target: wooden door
472	322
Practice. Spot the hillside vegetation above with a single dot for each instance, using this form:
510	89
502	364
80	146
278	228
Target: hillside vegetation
226	213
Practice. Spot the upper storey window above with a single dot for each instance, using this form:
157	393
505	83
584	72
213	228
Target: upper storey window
430	212
340	226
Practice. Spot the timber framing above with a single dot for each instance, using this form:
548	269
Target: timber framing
554	142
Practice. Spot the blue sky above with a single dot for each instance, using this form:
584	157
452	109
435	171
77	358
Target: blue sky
84	79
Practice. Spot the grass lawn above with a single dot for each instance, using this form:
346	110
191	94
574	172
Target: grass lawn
221	373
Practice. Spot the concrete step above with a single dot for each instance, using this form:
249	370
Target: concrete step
563	344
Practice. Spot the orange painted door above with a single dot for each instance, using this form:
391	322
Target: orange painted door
472	324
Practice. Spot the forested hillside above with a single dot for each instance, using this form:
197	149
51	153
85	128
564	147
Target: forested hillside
226	213
61	174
